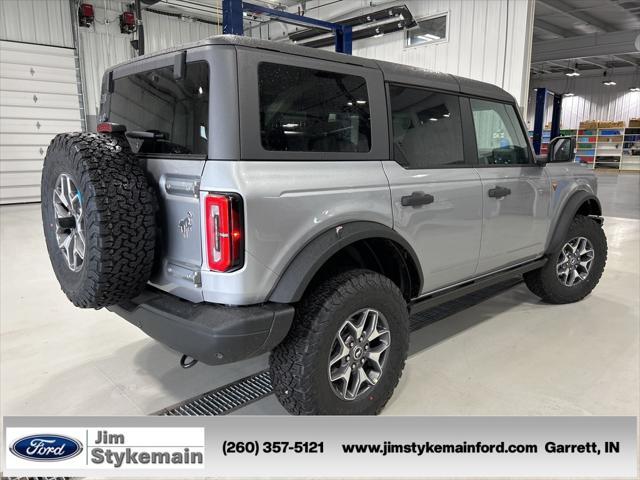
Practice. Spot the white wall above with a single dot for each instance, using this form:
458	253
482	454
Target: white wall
36	21
489	40
163	32
592	100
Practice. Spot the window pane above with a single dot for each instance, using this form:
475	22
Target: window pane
306	110
499	134
427	129
177	110
428	31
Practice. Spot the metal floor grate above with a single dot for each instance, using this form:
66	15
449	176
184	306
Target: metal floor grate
35	478
224	400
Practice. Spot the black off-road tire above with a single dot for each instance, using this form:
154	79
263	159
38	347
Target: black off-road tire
544	282
118	211
299	365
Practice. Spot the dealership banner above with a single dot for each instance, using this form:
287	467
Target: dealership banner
268	446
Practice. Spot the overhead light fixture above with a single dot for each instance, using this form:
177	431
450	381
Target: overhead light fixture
391	19
572	74
634	89
570	94
608	82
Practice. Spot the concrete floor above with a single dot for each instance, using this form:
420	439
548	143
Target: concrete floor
508	355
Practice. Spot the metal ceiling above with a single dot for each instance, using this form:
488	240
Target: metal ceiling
574	26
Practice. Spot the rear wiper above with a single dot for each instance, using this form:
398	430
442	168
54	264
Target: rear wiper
142	134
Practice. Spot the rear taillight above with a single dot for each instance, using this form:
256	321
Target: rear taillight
225	232
109	127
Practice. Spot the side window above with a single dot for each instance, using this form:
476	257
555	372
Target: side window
307	110
499	134
427	128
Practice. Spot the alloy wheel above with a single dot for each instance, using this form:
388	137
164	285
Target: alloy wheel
574	261
359	353
69	226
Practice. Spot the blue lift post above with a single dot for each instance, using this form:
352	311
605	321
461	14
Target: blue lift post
555	116
541	98
232	19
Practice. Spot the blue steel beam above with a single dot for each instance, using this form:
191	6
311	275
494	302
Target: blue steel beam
232	22
290	18
541	98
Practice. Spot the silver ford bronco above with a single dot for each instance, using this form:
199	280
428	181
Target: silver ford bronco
246	196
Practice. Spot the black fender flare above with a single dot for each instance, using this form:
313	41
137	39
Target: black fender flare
307	262
567	215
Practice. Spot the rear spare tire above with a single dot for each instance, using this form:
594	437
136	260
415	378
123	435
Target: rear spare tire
98	214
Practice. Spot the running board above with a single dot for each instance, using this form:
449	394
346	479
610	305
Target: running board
437	298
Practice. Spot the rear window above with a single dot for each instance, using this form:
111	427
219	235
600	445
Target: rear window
308	110
175	111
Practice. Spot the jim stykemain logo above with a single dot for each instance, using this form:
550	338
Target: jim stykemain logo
46	448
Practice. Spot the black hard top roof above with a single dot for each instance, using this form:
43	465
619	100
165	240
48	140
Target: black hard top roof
393	72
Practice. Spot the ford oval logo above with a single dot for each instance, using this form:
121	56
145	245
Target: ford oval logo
46	447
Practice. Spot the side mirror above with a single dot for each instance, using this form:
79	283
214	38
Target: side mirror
562	149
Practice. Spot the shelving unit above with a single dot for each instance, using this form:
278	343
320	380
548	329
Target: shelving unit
631	149
605	148
609	147
586	146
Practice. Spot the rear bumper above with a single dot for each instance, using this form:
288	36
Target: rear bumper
213	334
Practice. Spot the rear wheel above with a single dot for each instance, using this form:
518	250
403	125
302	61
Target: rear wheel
347	348
575	268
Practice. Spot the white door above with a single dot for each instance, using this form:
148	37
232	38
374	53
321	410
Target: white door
38	99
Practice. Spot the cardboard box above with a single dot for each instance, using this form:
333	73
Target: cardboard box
615	124
588	124
634	123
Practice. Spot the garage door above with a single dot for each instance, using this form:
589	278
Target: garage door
38	99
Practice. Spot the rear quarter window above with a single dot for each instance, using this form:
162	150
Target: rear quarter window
176	109
309	110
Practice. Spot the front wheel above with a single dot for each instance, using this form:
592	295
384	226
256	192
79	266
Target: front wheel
346	350
574	269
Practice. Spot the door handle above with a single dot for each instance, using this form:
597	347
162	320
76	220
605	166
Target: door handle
416	199
499	192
